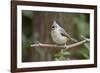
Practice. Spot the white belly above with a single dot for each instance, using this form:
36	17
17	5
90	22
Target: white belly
58	38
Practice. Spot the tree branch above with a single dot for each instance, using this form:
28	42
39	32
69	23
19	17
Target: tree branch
60	46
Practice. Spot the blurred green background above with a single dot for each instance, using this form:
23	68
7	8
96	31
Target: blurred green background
36	27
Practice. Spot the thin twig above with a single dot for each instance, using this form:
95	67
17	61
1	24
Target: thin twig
59	46
85	44
84	38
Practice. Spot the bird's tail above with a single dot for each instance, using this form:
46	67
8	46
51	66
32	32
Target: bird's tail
74	40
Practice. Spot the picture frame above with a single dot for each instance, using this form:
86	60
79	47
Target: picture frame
16	30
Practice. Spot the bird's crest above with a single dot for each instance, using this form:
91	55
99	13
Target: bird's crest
55	23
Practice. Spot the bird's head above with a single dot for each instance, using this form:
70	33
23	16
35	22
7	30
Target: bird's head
55	25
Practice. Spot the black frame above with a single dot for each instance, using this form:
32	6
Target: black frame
14	35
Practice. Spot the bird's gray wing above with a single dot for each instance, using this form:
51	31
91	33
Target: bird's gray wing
64	33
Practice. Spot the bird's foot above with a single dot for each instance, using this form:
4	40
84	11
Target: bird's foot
65	46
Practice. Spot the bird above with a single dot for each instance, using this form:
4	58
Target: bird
59	35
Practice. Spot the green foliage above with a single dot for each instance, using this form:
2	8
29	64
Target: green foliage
84	52
27	14
82	23
25	48
62	55
81	53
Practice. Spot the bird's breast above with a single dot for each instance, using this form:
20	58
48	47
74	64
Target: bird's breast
57	37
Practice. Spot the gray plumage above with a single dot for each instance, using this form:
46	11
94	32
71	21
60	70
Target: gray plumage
64	33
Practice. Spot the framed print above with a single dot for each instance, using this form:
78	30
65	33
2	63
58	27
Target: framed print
52	36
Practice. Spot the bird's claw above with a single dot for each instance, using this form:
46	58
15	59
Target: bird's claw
65	46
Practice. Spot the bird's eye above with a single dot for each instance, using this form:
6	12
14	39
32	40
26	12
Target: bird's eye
53	27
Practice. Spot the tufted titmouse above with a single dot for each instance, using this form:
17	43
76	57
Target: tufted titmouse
59	35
